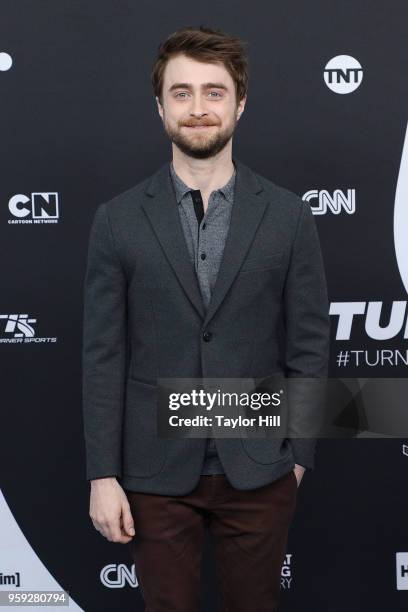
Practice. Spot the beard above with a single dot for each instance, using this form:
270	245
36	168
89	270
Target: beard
200	144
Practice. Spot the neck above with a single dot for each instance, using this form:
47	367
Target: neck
206	175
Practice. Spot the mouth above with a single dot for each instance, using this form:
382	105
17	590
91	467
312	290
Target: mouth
198	127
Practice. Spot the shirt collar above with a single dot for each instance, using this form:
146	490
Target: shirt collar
181	188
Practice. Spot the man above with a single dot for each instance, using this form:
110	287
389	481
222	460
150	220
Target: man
188	276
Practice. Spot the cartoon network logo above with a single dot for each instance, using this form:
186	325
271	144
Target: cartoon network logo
321	201
40	207
18	329
117	575
343	74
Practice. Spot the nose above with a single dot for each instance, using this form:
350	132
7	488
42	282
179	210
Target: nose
197	109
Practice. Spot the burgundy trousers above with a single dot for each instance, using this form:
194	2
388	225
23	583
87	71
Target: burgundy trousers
249	531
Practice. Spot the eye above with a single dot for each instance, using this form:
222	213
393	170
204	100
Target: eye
183	94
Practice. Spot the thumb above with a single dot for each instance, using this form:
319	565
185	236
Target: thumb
127	520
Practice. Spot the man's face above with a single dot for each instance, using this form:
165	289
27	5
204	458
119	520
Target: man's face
199	109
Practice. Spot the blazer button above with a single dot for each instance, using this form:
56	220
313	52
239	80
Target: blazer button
207	336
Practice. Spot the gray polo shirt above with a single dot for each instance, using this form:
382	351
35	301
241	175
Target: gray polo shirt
205	236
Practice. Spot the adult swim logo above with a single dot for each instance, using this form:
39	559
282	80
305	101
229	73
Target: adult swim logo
40	207
19	329
343	74
10	580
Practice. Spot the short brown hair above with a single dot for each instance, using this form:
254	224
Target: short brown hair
204	45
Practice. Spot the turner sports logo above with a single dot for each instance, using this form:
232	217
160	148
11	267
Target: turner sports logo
19	329
40	207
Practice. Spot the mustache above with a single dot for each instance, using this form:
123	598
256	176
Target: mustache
194	123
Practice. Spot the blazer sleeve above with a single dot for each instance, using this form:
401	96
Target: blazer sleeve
103	350
307	324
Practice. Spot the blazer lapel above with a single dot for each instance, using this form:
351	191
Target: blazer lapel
161	209
247	211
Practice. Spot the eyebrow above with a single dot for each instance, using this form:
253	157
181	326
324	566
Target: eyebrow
203	86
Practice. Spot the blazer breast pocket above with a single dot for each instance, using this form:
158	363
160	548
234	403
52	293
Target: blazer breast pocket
262	262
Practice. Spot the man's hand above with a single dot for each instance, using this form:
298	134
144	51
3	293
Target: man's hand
299	471
110	511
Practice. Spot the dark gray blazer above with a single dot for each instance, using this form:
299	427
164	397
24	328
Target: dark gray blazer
144	319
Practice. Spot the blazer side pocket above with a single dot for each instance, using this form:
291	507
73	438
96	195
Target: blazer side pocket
144	453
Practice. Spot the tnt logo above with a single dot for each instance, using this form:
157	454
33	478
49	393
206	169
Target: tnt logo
19	325
41	207
5	61
322	201
402	571
343	74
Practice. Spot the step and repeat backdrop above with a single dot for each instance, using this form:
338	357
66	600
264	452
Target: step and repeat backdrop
326	117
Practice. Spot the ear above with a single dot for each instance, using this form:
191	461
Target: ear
241	106
159	107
